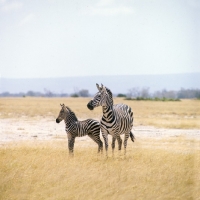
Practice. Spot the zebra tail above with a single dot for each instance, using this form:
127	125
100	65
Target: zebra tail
132	136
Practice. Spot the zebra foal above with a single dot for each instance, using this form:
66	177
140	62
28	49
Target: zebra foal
75	128
116	120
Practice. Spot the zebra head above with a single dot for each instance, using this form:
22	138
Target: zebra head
62	113
102	98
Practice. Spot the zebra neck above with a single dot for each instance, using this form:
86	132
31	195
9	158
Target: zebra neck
68	121
108	112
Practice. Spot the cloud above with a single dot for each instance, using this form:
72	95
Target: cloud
2	1
110	11
105	2
12	6
27	19
108	8
194	3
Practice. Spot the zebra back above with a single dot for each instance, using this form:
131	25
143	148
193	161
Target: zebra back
88	126
81	128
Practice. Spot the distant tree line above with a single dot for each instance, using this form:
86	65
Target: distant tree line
144	93
133	93
46	93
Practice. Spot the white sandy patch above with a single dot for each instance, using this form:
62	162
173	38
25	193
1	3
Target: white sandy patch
39	128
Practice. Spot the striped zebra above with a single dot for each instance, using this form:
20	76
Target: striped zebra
116	120
75	128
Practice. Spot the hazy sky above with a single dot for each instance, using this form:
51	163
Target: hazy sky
59	38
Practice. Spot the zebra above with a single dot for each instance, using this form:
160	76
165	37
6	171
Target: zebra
75	128
116	120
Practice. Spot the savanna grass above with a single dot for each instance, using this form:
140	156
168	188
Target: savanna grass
152	169
181	114
167	169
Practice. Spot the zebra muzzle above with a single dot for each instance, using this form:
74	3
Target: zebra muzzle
90	106
57	120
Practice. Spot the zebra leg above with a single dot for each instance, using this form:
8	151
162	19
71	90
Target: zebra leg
113	144
71	141
98	141
105	137
100	145
126	136
119	140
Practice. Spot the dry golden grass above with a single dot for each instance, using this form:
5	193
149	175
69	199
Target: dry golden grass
33	107
167	169
183	114
152	169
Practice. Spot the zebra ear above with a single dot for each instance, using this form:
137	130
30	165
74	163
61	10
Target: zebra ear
98	87
104	88
62	105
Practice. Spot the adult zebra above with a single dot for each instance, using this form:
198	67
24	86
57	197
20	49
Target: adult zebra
116	120
75	128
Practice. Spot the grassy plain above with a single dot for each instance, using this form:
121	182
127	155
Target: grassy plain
45	171
152	169
181	114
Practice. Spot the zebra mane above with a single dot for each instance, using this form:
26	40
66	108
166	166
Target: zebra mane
110	94
72	114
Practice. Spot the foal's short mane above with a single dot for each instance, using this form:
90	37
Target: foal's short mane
72	113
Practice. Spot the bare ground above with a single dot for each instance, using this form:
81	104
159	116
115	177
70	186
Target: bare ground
42	129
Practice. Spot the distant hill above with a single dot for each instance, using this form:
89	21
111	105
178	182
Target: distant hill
118	84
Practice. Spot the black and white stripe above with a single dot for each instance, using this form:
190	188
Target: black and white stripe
75	128
116	120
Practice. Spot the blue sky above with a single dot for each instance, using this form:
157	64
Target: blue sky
60	38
